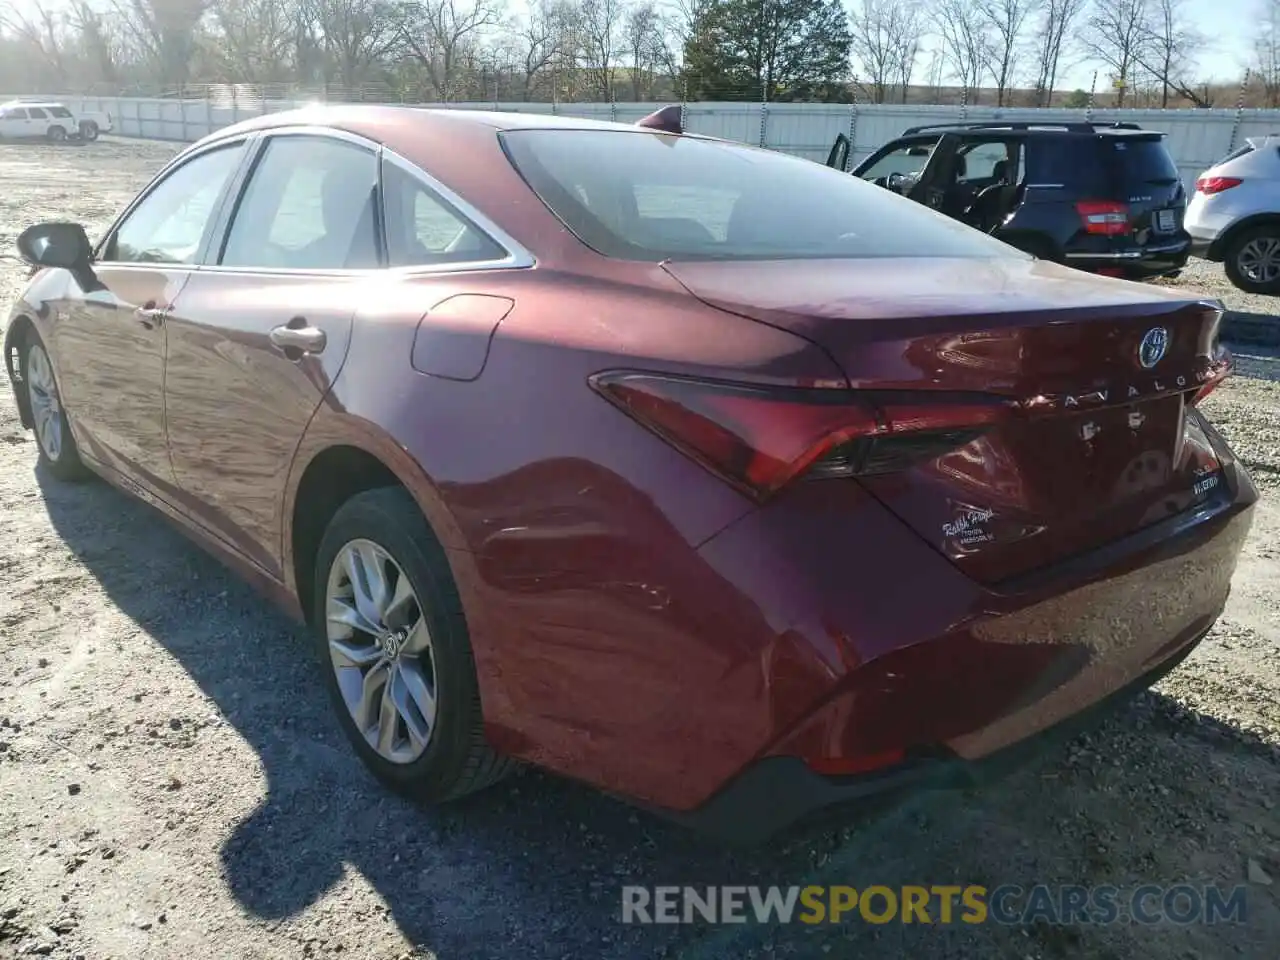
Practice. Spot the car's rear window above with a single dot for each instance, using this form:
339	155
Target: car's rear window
1143	160
650	196
1101	166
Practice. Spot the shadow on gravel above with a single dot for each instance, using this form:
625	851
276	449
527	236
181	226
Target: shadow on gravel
533	868
1256	361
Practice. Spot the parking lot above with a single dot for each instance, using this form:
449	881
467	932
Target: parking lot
172	782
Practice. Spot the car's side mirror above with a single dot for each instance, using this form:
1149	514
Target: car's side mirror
58	244
62	245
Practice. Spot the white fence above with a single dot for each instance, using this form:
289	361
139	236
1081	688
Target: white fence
1197	138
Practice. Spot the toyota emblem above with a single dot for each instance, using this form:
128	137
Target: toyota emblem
1152	349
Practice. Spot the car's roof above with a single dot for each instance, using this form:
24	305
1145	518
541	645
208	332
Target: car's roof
376	121
1048	130
32	103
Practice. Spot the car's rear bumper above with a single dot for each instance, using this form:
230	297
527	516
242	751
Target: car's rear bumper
931	679
1135	264
779	791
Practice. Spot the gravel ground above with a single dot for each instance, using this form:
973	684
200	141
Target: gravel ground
172	783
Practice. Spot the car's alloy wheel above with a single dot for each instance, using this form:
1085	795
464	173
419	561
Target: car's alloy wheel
1260	259
397	659
46	409
48	418
380	650
57	134
1253	261
89	130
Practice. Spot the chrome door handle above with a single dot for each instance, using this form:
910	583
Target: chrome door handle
300	338
150	315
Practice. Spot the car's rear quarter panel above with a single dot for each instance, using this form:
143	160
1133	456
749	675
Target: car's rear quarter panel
602	637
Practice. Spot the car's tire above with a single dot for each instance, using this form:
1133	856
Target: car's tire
88	130
58	452
1252	259
56	134
376	664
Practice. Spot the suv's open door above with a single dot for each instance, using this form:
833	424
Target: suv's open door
838	158
897	166
931	186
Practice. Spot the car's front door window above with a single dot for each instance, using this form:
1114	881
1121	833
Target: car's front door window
169	224
908	159
309	205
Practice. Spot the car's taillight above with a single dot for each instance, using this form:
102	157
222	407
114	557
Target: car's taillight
760	438
1107	218
1212	185
1223	367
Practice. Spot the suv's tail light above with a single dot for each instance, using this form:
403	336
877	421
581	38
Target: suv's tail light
1211	185
760	438
1107	218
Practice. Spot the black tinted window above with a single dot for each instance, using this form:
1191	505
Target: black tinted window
309	205
1143	161
648	196
60	112
35	113
1072	162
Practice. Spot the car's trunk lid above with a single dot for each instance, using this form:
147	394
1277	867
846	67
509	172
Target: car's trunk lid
1098	444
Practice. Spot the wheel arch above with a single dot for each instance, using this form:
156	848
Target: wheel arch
1217	251
336	461
20	328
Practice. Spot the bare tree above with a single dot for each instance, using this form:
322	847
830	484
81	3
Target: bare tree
353	36
1057	18
1266	51
1118	35
886	43
163	34
254	39
438	33
1169	53
599	38
1007	21
643	34
97	40
44	33
966	41
539	40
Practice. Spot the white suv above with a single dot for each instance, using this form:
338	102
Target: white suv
1234	217
51	121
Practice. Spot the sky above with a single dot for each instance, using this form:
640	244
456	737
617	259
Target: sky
1230	26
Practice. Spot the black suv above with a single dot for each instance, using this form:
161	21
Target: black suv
1103	197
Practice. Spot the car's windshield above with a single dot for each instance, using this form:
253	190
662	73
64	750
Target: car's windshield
651	196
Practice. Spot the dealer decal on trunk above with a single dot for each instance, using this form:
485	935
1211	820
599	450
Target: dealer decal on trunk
970	527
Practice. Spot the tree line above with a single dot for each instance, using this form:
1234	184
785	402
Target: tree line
1001	52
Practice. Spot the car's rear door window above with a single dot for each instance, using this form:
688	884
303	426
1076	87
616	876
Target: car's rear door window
650	196
309	205
35	113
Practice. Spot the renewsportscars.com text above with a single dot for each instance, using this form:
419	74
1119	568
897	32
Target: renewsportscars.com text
1008	904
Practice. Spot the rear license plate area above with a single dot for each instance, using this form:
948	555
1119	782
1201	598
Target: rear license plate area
1166	221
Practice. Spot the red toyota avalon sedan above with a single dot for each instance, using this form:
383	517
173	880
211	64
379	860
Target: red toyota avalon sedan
707	475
